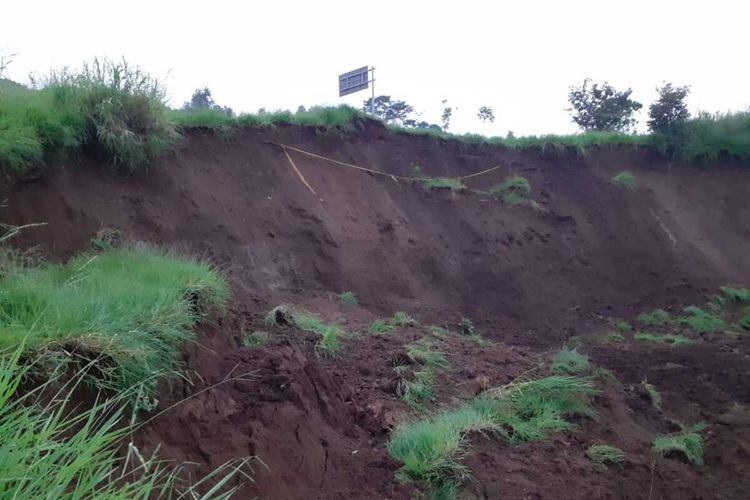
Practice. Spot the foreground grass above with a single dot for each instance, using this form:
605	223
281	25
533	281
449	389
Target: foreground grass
49	451
430	449
133	308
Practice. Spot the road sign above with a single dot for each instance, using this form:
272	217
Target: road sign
353	81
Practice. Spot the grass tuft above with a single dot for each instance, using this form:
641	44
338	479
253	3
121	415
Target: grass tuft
606	455
669	339
687	445
133	308
455	185
622	325
430	450
701	321
626	180
348	298
514	190
657	317
653	395
380	326
255	339
612	338
330	342
570	362
739	295
400	318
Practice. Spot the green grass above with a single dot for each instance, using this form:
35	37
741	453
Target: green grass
348	298
514	190
744	322
626	180
606	455
708	138
570	362
419	387
622	325
738	295
612	338
454	185
423	351
657	317
323	116
400	318
653	394
54	448
430	450
110	108
380	326
440	331
132	308
687	444
669	339
331	335
701	321
255	339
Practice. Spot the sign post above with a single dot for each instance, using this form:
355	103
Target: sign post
357	80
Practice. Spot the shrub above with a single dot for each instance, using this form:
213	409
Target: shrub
669	110
122	109
707	138
466	327
606	455
625	179
687	444
657	317
570	362
131	309
348	298
601	107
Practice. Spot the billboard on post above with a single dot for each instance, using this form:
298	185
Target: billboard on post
353	81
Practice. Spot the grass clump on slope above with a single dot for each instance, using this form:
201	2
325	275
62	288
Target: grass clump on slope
514	190
133	308
687	444
606	455
430	449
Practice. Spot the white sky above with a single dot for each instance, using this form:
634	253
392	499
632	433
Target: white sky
519	57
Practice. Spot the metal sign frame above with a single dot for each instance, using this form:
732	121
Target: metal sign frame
356	80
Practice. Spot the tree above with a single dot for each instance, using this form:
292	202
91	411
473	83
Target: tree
390	111
602	108
202	99
486	114
669	109
445	118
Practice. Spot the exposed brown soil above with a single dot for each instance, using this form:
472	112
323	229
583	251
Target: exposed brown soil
529	279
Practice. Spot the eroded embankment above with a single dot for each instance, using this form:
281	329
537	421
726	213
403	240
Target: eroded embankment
530	278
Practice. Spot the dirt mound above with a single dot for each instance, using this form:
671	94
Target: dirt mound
529	278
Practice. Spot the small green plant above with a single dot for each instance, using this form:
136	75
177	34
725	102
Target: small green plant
669	339
606	455
400	318
625	179
701	321
455	185
687	444
612	338
622	325
107	239
255	339
744	322
417	172
417	389
279	316
423	352
570	362
330	342
429	450
440	331
652	393
348	298
514	190
466	327
657	317
381	326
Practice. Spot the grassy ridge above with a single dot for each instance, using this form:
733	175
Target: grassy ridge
121	113
132	308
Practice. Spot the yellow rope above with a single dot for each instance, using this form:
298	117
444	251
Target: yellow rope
286	147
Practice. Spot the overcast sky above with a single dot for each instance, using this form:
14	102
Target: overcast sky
519	57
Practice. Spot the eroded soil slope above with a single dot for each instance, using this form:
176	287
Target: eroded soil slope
529	278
